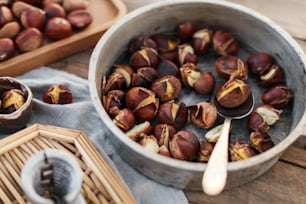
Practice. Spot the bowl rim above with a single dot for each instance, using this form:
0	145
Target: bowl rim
16	114
174	163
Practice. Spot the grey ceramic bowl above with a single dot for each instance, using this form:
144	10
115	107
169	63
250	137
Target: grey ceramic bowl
254	32
18	119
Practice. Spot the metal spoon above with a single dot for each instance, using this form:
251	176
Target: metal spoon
215	174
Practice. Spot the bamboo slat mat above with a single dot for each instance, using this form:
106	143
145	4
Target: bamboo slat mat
100	183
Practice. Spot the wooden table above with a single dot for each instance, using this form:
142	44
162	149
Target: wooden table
285	182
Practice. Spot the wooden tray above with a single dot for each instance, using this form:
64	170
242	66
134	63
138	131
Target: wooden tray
100	183
105	13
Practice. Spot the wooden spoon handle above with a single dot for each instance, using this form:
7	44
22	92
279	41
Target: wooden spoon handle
215	174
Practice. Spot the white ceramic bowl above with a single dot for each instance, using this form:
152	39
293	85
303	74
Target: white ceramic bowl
253	31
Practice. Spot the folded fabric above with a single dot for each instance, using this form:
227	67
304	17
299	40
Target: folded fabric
81	115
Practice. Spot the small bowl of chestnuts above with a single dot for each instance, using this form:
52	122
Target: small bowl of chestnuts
155	74
15	104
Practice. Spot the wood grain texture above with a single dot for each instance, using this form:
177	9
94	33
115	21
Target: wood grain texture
290	14
283	183
104	12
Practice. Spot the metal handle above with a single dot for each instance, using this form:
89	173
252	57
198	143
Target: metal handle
215	175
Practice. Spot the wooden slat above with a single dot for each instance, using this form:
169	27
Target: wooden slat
283	183
290	14
295	156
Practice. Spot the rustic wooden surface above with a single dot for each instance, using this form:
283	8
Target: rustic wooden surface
285	182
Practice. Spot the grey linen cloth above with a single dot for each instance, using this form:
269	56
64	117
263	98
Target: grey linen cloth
81	115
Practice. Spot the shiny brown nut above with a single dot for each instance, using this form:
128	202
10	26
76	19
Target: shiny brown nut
233	93
29	39
167	88
126	72
19	6
114	81
138	131
79	18
12	100
167	67
201	41
186	30
263	117
231	67
146	57
124	119
203	114
261	141
206	149
141	42
33	17
186	55
240	151
163	150
113	102
10	30
72	5
175	114
268	113
184	145
163	133
58	28
144	77
58	94
7	49
6	15
149	142
205	83
257	122
189	74
273	76
224	43
259	62
54	10
143	102
165	42
278	96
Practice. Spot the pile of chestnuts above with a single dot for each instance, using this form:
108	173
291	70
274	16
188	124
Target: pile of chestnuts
141	96
26	24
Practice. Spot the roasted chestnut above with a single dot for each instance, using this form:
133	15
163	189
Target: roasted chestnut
184	145
274	75
141	42
259	62
144	77
231	67
167	67
233	93
201	40
203	114
143	102
175	114
114	101
167	88
186	30
124	119
146	57
163	133
58	94
278	96
12	100
261	141
206	149
224	43
149	142
240	151
165	42
186	55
